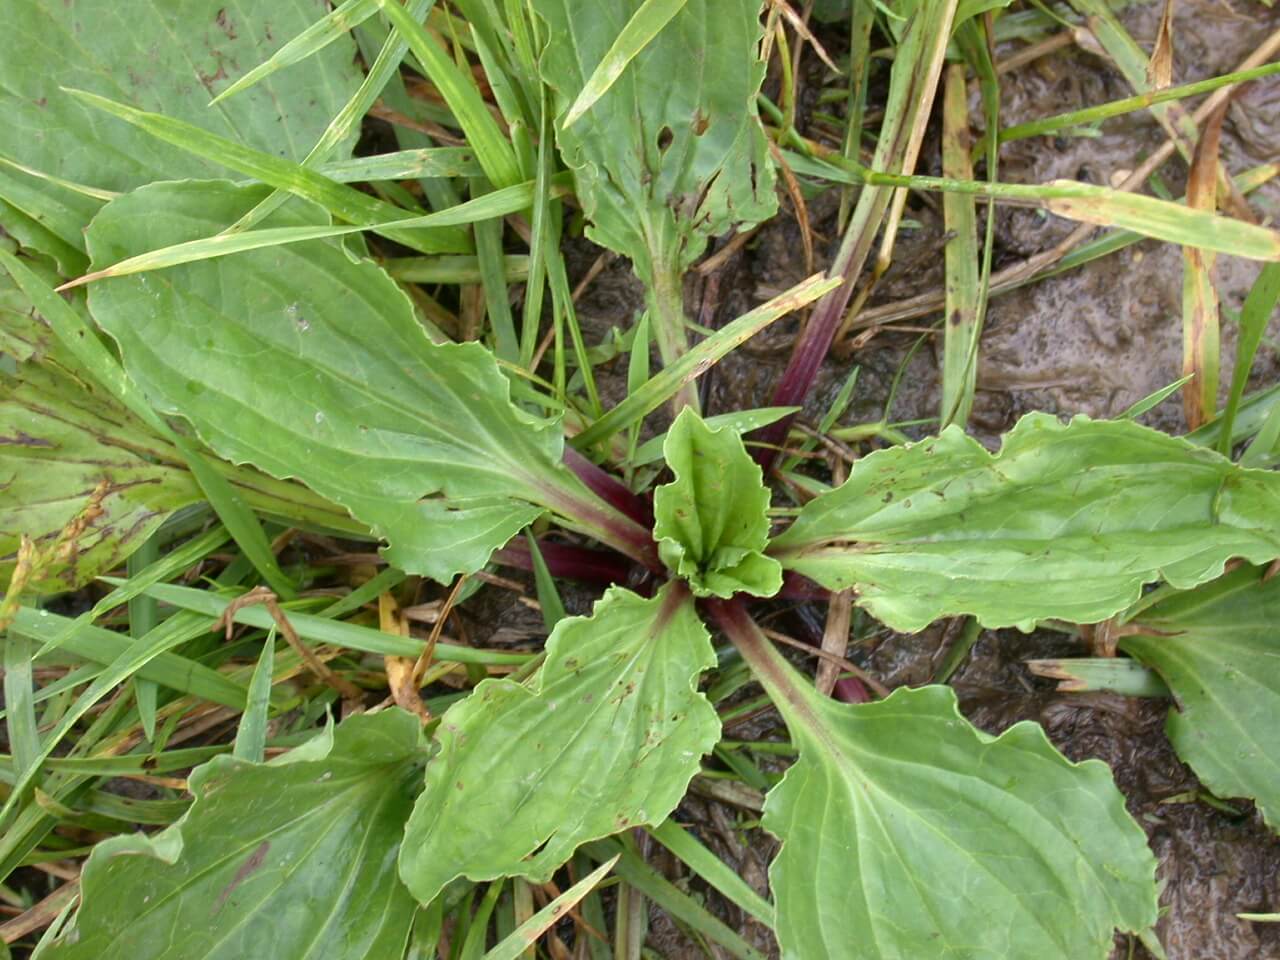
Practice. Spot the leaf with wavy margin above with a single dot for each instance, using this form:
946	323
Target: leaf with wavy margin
711	523
291	858
1216	648
606	737
907	832
1066	521
309	364
672	153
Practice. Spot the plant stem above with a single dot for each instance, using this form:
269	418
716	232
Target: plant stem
666	309
609	488
568	562
780	680
587	512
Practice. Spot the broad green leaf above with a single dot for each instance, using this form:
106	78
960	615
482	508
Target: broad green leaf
279	859
1216	648
711	523
1066	521
672	153
23	335
605	737
936	839
169	57
309	365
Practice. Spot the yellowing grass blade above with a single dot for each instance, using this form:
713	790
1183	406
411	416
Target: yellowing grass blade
1200	328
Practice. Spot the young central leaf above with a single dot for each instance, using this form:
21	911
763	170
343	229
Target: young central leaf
673	152
309	365
1066	521
606	737
711	522
937	840
283	859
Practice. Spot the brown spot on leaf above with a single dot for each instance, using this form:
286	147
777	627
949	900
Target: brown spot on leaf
210	79
225	23
247	869
23	439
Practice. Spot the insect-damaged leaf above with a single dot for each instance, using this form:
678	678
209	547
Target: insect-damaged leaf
1216	648
1066	521
309	365
605	737
906	832
61	439
283	859
172	57
711	523
673	152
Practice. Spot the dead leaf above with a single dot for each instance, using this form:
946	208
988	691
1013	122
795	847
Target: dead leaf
1160	66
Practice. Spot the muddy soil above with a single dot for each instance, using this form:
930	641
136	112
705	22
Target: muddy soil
1092	341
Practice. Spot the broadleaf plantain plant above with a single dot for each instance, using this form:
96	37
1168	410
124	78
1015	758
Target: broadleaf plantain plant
906	832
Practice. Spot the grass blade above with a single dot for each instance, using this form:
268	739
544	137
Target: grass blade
460	92
959	366
527	934
1116	108
237	517
348	119
701	358
1084	202
322	630
496	204
19	701
1254	316
251	734
404	165
345	203
143	618
1200	326
643	26
1153	400
545	584
101	646
639	874
713	870
316	37
169	634
166	568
